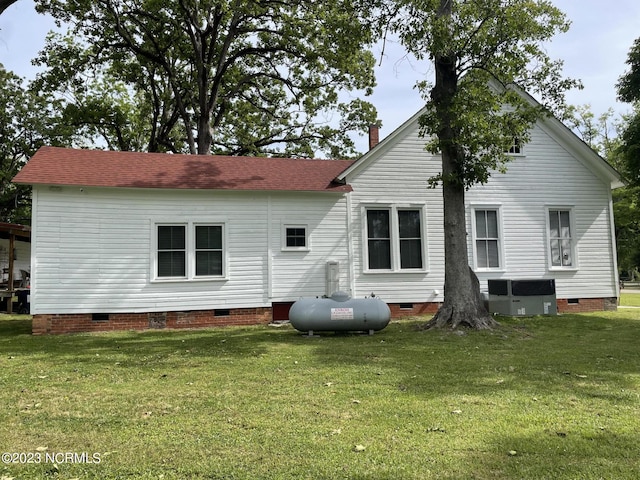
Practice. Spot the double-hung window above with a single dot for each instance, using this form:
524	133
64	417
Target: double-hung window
187	251
394	239
208	250
410	233
379	239
172	251
561	238
486	232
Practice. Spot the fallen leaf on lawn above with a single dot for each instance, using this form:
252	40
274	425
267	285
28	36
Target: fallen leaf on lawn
512	453
457	412
359	448
328	384
356	401
436	429
42	449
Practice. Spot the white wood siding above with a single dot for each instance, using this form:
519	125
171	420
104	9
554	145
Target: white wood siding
93	249
399	177
303	273
550	176
547	175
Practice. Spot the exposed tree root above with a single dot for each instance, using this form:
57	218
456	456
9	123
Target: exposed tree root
448	317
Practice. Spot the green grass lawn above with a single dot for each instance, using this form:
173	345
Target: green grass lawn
630	299
539	398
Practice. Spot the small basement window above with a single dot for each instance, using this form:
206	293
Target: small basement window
573	301
406	306
221	312
99	317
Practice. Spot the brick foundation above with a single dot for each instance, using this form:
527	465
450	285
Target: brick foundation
399	310
51	324
582	305
86	322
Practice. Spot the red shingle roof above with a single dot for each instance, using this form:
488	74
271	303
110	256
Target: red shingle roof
98	168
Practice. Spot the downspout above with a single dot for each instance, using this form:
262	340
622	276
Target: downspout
33	277
351	268
269	250
12	248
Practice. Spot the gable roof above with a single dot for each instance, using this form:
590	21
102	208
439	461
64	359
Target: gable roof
550	124
99	168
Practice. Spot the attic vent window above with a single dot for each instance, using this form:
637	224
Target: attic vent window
516	147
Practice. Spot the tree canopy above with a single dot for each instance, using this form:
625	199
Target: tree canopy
490	52
26	123
629	84
627	200
209	76
629	91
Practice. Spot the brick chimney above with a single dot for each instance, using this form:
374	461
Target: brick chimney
374	135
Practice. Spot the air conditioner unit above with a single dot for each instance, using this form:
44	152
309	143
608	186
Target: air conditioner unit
522	297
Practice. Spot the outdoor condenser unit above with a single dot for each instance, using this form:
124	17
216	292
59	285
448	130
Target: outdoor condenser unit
522	297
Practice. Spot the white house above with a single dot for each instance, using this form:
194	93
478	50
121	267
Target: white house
135	240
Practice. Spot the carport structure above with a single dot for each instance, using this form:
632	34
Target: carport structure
11	232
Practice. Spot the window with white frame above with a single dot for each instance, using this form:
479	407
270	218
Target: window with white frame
561	241
516	147
394	239
379	239
486	232
208	250
172	251
295	237
410	234
189	251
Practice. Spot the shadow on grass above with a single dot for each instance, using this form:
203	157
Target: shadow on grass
581	353
576	453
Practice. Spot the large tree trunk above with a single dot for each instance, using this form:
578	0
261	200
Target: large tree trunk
463	304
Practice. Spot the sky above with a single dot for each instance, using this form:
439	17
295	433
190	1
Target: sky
594	50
